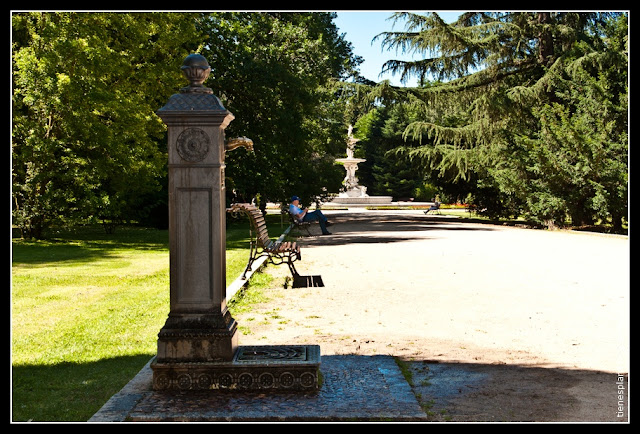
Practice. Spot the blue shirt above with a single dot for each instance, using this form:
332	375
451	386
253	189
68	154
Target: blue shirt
295	211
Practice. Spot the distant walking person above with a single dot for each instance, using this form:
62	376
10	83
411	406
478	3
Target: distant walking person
304	215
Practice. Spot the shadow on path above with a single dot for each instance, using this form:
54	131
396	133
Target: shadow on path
374	388
515	393
307	282
374	228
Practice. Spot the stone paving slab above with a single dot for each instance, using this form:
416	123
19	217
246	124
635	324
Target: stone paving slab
354	388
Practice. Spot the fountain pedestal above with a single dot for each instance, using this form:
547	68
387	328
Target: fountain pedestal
353	193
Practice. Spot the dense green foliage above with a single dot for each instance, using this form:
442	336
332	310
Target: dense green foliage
86	142
386	173
517	113
275	73
525	113
87	145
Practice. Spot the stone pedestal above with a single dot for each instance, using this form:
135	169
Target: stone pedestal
253	368
198	345
362	201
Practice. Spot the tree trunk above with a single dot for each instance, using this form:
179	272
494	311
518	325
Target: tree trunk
545	39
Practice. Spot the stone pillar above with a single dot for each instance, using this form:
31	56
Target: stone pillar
198	345
199	327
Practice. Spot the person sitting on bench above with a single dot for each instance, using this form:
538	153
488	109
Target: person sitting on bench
306	216
435	207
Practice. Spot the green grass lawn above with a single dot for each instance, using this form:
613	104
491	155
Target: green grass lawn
86	308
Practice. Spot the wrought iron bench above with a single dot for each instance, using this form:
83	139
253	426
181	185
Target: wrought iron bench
299	225
261	245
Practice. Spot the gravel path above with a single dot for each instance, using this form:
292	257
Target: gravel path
448	295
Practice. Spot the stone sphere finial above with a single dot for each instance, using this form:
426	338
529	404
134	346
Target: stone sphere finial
196	69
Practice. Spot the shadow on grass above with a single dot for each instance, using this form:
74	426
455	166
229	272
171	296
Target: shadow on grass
69	391
89	243
86	244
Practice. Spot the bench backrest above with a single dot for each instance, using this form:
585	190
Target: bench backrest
259	225
293	218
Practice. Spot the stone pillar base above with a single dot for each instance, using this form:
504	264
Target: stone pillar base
253	368
197	338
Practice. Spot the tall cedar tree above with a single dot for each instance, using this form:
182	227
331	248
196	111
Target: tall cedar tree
495	89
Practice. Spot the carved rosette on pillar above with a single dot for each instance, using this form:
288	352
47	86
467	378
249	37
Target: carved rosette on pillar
198	344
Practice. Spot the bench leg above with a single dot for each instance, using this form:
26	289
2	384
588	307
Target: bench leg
252	251
244	275
292	268
305	227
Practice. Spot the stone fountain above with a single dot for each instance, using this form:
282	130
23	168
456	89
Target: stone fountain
353	193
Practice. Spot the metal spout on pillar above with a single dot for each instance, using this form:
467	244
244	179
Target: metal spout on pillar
237	142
